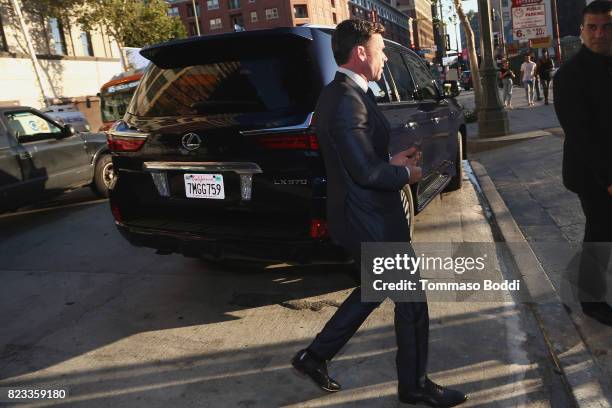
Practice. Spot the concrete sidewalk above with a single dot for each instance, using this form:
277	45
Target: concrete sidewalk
527	174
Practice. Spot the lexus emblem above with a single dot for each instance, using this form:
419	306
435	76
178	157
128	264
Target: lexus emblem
191	141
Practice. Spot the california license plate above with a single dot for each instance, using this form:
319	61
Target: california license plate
204	186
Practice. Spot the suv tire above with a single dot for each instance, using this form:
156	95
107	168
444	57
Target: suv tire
457	180
103	175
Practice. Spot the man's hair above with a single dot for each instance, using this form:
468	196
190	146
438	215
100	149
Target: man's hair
597	7
351	33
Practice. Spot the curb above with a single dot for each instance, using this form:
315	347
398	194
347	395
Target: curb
565	345
476	145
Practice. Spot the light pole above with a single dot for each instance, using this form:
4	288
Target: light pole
492	118
197	16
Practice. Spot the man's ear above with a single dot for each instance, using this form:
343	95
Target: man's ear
361	53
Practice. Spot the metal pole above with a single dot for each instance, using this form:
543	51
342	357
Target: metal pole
556	27
502	38
442	34
197	17
492	118
28	40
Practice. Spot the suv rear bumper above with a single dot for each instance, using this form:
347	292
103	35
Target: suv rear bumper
302	251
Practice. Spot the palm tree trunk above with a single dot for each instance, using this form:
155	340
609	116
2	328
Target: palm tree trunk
471	48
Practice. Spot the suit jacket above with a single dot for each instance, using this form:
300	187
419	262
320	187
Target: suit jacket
363	199
583	89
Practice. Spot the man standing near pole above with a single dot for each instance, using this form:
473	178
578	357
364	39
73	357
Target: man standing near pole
582	89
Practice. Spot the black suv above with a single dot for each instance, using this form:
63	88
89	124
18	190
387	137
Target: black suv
217	153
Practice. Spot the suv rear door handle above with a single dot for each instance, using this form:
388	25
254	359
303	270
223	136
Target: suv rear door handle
411	125
435	120
25	155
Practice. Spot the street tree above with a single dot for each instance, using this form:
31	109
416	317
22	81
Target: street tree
133	23
471	49
470	46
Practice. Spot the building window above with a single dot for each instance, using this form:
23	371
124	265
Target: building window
253	16
333	3
190	10
193	30
234	4
86	42
212	4
300	11
271	13
334	18
173	11
237	22
215	23
57	34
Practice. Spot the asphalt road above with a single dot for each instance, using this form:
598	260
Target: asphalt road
120	326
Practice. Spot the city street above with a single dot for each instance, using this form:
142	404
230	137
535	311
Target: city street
123	327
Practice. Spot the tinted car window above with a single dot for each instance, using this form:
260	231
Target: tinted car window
26	126
401	76
273	84
422	76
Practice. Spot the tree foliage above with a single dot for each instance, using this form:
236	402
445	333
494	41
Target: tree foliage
133	23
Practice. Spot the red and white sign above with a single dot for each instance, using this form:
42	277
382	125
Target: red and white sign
529	33
520	3
529	21
529	16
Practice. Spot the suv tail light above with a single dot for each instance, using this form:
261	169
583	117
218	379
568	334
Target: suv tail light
304	141
122	138
318	228
116	212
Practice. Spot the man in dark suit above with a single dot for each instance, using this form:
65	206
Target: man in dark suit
364	205
582	89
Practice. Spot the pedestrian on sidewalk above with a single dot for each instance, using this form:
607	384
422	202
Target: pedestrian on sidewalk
536	79
528	78
582	87
507	77
544	70
364	205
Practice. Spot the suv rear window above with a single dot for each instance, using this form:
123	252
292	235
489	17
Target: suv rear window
281	84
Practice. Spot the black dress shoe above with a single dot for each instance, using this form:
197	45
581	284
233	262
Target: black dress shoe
434	395
599	311
306	364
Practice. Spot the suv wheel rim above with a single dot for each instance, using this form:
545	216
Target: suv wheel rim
108	174
406	206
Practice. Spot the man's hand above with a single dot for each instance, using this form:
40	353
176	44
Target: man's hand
416	174
610	190
405	158
409	158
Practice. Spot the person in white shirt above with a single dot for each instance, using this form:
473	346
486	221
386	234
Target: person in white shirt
528	77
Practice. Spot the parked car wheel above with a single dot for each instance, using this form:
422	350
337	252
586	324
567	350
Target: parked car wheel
408	204
103	175
457	180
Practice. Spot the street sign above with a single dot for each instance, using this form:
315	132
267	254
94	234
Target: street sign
524	34
529	22
545	42
520	3
529	16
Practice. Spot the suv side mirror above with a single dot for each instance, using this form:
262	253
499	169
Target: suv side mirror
69	131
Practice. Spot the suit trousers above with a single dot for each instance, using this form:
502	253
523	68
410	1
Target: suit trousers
411	333
597	246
